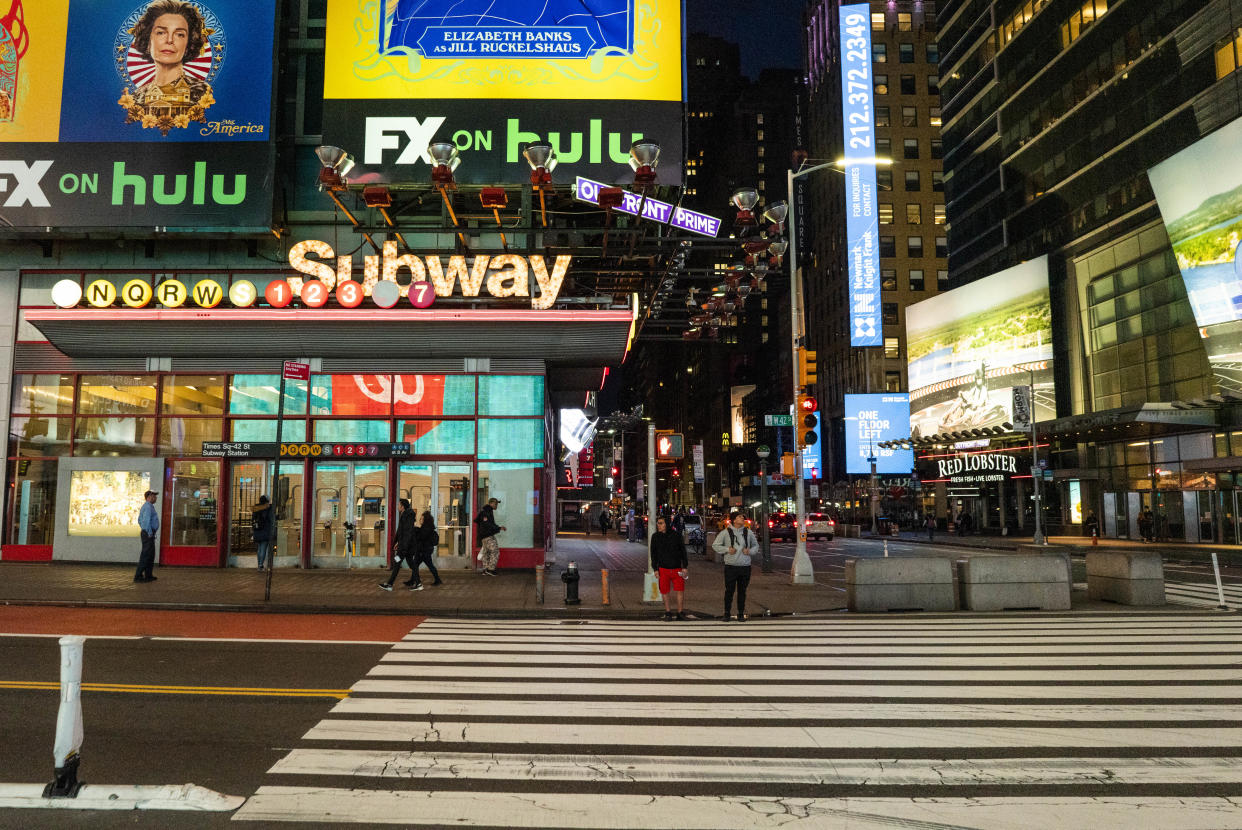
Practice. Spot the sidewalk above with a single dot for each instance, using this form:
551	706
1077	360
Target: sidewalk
464	593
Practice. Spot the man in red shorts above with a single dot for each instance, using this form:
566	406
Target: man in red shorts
668	559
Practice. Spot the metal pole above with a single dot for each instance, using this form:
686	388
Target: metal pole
1220	589
763	520
271	553
651	585
874	497
1036	473
801	572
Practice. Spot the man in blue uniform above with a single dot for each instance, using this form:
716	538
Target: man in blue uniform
149	525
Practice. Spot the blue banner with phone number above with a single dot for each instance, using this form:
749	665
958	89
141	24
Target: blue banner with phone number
861	225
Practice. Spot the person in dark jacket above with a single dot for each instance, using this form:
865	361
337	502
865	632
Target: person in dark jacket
426	540
403	548
261	529
489	548
605	521
668	559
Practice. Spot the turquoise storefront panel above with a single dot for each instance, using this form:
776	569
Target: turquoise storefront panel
511	395
438	437
504	438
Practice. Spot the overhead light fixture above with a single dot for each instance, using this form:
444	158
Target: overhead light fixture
776	213
445	158
336	166
644	157
376	196
493	197
778	247
745	199
611	197
542	160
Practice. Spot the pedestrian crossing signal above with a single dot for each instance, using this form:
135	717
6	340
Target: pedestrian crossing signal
670	447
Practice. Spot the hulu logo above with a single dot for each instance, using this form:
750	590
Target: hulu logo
569	150
162	194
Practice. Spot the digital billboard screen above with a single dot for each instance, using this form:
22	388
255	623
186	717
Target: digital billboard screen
967	349
121	113
871	420
861	220
492	76
1199	191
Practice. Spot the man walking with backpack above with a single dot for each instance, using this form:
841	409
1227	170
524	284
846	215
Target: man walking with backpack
403	548
737	545
489	549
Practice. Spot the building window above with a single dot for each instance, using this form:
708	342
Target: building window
886	214
914	246
892	381
884	179
910	148
759	135
907	85
933	84
933	116
905	22
760	152
933	53
761	168
937	181
916	279
759	118
882	118
942	247
888	311
879	53
881	84
1081	20
914	214
937	148
892	347
938	214
912	180
1228	54
906	52
877	21
888	246
883	147
909	116
888	279
942	279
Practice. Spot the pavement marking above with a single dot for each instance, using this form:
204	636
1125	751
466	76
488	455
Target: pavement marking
87	636
593	768
612	811
478	651
136	688
789	660
103	797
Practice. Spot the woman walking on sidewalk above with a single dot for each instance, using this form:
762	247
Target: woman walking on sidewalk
737	545
426	540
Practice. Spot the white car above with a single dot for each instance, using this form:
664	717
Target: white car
821	525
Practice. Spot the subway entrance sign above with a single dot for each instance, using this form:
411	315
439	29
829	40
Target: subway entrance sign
239	449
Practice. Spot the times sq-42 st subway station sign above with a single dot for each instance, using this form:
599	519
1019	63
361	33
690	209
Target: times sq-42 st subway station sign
507	276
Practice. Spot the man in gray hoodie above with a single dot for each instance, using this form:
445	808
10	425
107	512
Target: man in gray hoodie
736	544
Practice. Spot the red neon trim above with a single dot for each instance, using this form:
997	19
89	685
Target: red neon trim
305	315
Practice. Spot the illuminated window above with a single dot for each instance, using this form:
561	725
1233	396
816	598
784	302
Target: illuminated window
881	84
938	214
1228	54
877	21
886	214
761	152
914	214
759	135
882	118
904	22
888	279
916	279
933	116
892	347
879	53
759	118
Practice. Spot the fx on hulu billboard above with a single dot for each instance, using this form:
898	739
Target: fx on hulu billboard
970	346
492	76
871	420
118	113
1199	191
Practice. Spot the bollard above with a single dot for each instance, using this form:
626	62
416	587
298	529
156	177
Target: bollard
604	585
885	548
68	744
570	577
539	577
1220	588
1095	537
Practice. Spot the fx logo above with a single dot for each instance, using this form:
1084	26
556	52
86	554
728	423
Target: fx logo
382	133
26	179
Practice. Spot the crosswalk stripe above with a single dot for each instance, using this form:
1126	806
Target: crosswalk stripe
794	659
823	642
868	623
614	811
714	770
656	648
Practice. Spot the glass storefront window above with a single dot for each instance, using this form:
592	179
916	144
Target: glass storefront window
193	514
246	429
517	486
1222	445
429	396
33	501
193	395
106	502
502	438
351	395
185	436
329	431
115	436
258	395
510	395
116	395
43	394
32	437
438	437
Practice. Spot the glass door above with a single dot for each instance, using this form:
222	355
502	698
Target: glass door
442	489
350	505
250	480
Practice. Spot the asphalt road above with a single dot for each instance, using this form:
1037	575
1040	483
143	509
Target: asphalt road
224	742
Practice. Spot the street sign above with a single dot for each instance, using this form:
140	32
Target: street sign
1047	475
301	449
700	469
813	491
763	451
778	420
296	371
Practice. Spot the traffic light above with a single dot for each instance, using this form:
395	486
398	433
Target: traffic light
807	368
807	407
615	471
669	446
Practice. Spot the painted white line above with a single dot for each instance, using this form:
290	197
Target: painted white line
742	674
792	660
528	644
479	651
740	812
831	625
803	737
741	691
771	710
102	797
605	768
87	636
269	641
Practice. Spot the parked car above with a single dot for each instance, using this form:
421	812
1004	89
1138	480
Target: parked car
783	526
820	525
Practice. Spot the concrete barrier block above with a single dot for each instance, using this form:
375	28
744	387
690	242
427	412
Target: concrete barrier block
1126	577
998	583
900	584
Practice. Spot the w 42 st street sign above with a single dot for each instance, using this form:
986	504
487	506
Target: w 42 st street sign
778	420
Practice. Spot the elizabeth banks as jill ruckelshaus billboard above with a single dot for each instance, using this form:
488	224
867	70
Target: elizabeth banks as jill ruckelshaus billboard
969	347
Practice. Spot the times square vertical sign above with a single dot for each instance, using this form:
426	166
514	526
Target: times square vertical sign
861	226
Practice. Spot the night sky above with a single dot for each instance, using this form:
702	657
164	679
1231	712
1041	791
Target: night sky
766	30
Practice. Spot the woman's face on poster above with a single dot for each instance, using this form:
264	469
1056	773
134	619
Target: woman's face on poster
169	36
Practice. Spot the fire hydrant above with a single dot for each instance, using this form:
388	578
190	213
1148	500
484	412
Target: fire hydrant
570	577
